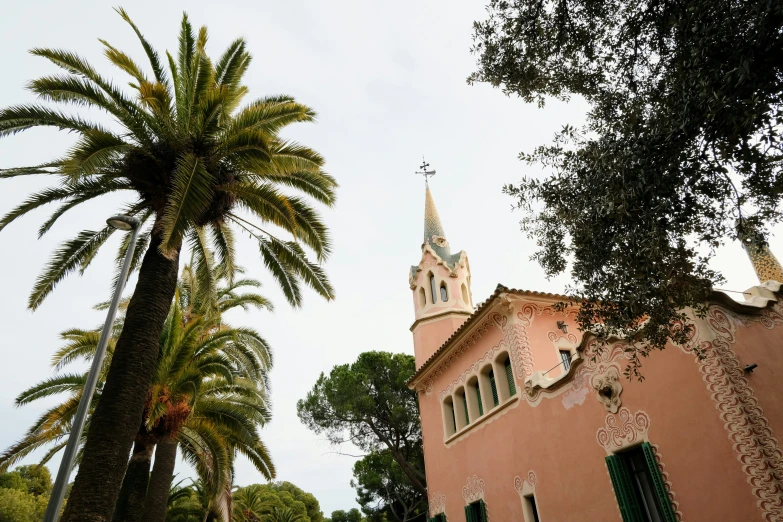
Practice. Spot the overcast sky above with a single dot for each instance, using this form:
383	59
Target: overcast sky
388	82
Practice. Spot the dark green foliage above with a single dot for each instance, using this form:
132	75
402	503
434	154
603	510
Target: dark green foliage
24	494
384	491
369	404
36	480
680	153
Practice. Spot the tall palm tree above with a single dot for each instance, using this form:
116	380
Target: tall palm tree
195	159
208	398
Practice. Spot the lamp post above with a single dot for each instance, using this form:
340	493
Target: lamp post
125	223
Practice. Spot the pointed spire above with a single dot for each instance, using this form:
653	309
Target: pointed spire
764	262
434	235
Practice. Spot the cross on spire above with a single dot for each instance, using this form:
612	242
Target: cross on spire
424	172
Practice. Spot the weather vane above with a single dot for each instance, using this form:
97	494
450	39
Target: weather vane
424	172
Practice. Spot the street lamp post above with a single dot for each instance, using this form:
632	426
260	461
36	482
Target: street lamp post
126	223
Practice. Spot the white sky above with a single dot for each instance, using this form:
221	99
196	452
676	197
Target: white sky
388	82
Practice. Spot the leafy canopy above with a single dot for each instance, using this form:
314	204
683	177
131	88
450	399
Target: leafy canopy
369	404
196	161
680	153
383	490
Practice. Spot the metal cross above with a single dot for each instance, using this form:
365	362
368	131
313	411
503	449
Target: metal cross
424	172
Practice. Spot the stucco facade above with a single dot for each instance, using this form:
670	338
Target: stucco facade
710	423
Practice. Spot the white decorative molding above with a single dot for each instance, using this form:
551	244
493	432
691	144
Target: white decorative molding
527	486
473	490
757	448
623	430
667	484
437	504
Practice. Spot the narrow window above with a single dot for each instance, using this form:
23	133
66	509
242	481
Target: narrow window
478	398
422	297
467	417
449	420
476	512
433	288
638	485
444	296
512	388
531	510
495	400
465	297
565	358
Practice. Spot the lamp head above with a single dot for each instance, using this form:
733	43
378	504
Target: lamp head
123	222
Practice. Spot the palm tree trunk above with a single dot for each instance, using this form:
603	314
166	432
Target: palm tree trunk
160	481
117	416
130	504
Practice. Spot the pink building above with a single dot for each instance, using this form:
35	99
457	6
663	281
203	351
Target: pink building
521	424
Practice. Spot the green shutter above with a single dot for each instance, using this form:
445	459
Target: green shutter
660	490
478	396
495	400
442	517
482	511
453	417
512	388
465	402
623	489
469	514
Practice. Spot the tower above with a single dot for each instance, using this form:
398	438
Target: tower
440	284
764	262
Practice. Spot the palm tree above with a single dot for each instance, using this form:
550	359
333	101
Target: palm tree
208	397
194	157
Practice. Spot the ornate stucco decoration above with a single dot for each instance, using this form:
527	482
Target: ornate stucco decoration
608	387
527	486
623	430
473	490
437	504
596	362
749	430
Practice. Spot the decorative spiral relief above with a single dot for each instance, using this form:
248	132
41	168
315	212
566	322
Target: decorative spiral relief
749	431
622	430
473	489
437	504
529	483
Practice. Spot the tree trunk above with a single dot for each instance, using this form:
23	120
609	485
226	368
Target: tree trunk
160	481
130	504
117	416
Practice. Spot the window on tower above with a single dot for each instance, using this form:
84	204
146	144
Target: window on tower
433	288
444	295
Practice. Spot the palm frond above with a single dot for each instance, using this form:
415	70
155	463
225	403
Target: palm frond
67	258
191	194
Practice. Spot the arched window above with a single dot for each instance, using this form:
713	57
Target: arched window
474	393
444	295
493	384
422	297
465	298
433	288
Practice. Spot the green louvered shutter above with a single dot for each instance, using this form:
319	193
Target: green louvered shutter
482	511
453	417
623	489
478	396
441	517
495	400
469	514
660	490
465	403
512	387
